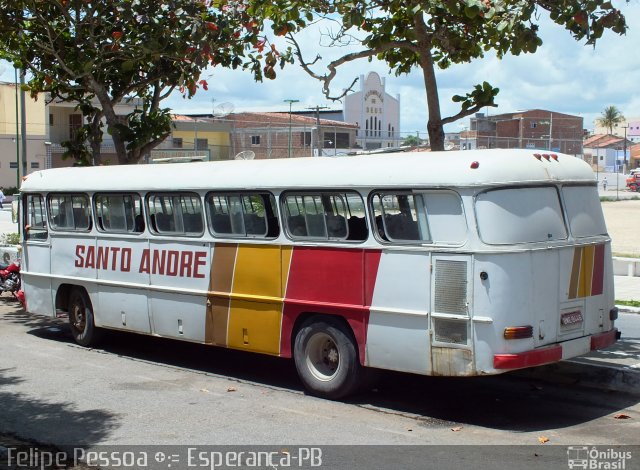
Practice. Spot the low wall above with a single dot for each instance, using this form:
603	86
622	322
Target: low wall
626	266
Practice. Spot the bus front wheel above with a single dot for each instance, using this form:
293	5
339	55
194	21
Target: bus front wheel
81	319
326	358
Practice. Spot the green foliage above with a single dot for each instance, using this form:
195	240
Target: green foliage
415	33
610	117
412	140
10	239
77	148
100	53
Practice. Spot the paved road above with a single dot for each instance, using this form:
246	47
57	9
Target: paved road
139	390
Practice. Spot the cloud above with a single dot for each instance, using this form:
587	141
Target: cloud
563	75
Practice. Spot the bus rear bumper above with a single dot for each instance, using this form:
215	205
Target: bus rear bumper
555	353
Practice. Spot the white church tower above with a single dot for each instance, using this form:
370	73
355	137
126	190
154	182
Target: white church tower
376	112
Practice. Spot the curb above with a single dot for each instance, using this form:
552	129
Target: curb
577	372
628	309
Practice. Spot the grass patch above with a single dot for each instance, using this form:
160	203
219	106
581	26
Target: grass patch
613	198
628	303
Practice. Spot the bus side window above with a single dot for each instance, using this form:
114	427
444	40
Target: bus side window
397	217
250	215
69	212
329	216
35	218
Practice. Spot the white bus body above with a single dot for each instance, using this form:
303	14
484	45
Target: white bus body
454	264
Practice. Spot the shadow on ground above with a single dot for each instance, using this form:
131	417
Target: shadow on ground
40	418
505	402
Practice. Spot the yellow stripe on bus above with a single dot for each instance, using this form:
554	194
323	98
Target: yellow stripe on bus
259	270
223	260
575	273
586	271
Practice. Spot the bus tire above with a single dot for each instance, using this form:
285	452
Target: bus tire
81	320
326	358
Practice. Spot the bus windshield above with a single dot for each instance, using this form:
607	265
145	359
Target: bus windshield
520	215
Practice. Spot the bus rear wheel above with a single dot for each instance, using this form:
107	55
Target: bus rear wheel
81	319
326	358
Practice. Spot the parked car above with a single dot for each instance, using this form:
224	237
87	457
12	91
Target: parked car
633	181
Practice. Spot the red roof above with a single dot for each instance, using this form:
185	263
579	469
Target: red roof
282	119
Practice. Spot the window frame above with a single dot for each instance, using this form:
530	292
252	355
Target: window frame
241	194
100	224
421	219
343	195
50	218
152	224
31	234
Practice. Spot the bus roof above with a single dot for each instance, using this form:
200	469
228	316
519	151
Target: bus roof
411	170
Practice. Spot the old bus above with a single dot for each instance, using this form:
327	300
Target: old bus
452	264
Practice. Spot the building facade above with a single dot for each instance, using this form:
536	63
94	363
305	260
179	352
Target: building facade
606	152
280	135
534	129
11	141
629	127
375	112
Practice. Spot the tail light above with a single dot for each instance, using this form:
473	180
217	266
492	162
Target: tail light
518	332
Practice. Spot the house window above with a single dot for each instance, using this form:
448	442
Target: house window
534	125
255	140
75	123
51	119
13	164
305	138
177	142
35	165
202	144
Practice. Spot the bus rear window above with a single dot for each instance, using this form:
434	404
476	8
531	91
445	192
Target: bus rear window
520	215
584	211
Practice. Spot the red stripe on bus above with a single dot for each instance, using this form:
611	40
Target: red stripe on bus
536	357
597	283
333	282
603	340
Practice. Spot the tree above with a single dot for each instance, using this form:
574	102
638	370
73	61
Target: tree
436	33
610	118
99	54
412	141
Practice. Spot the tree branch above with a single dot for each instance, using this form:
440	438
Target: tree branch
333	65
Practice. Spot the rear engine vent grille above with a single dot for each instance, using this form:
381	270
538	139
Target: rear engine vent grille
450	331
450	287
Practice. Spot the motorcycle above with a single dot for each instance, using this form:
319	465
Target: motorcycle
10	279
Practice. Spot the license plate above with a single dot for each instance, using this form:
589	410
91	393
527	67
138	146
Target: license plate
571	318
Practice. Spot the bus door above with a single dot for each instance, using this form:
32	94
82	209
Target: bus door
36	256
451	315
119	256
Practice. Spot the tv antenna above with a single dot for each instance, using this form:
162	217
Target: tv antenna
245	155
222	109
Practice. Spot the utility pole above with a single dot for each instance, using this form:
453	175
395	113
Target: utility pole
319	133
290	103
624	154
23	124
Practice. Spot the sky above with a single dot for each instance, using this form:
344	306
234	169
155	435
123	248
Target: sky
563	75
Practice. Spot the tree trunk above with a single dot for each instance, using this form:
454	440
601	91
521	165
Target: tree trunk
112	120
434	123
95	139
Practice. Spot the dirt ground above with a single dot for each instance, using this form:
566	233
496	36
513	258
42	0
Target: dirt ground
623	219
